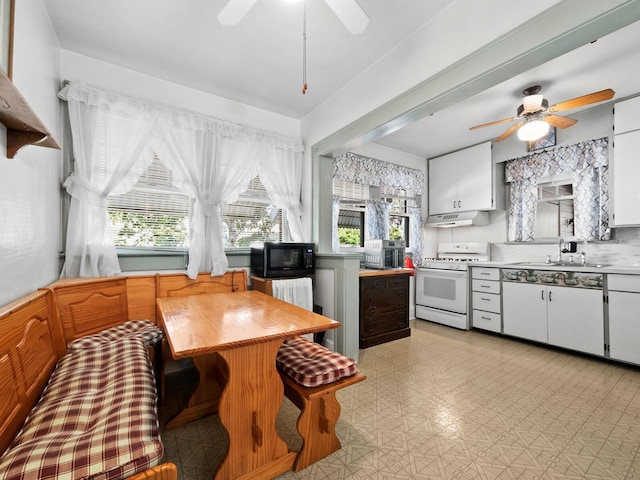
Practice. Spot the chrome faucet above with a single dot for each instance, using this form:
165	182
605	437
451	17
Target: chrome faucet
561	249
583	259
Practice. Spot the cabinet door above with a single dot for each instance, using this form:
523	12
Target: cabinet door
524	311
475	178
624	326
576	319
626	170
443	184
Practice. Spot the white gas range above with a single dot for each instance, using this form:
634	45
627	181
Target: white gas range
442	283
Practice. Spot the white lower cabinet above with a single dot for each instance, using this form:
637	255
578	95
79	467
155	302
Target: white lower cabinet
524	311
624	322
562	316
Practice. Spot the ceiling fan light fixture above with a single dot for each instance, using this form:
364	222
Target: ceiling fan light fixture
533	130
532	103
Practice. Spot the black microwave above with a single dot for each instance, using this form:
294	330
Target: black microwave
283	259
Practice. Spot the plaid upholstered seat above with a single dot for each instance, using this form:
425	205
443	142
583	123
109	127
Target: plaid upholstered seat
144	329
96	419
311	364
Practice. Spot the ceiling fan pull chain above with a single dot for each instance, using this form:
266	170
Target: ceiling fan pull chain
304	48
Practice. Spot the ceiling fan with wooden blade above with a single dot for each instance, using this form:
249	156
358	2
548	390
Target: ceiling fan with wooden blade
535	109
347	11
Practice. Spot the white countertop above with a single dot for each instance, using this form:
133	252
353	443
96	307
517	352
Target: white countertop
623	269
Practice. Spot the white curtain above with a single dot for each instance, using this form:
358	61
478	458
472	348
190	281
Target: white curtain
114	139
280	167
110	136
214	162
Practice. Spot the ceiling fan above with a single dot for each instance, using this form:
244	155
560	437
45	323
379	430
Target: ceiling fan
348	11
535	115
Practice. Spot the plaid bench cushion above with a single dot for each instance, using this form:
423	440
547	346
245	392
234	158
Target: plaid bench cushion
96	419
144	329
311	364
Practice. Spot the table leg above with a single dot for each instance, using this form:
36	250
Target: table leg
204	399
248	408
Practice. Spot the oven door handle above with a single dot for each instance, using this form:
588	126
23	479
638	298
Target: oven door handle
433	272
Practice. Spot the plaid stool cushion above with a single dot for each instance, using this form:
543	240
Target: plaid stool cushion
311	364
143	329
96	419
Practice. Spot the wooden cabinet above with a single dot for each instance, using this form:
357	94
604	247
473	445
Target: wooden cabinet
384	308
625	165
624	323
558	315
486	305
465	180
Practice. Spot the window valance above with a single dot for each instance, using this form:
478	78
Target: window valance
368	171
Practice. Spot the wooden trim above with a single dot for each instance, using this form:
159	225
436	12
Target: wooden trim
165	471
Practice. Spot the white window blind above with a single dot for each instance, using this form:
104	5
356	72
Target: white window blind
154	214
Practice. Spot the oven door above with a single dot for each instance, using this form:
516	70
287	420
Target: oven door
442	289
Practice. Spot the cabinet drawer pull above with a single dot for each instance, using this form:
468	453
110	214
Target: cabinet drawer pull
549	296
542	294
372	297
485	299
485	286
485	273
372	308
485	318
372	330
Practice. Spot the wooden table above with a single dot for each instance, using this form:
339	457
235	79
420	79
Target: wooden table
246	330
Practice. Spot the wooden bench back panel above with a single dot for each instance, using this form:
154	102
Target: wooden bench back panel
86	307
179	285
141	295
27	357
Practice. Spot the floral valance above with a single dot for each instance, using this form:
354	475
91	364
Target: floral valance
368	171
560	160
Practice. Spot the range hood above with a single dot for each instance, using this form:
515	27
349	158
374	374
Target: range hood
458	219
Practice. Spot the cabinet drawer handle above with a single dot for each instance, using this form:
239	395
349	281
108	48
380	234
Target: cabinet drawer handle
454	204
542	294
372	308
372	330
485	286
372	297
549	296
485	299
459	203
485	273
485	318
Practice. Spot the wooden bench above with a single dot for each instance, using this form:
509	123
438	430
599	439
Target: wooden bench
319	413
31	344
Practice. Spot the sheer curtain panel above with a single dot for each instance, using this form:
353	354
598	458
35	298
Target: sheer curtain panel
214	161
110	138
280	168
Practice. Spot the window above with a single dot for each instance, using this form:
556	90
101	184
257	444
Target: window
351	216
554	210
399	203
154	214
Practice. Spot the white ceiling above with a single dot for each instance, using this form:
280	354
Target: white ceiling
259	61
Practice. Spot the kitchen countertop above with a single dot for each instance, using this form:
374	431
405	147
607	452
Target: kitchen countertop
370	272
524	265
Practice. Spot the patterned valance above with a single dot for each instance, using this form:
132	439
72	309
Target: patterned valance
558	161
367	171
586	163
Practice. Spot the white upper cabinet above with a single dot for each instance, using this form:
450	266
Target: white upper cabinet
465	180
625	166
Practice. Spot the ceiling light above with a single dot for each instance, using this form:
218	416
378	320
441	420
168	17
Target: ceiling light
532	103
533	130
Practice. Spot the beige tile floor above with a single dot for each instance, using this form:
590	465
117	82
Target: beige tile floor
451	404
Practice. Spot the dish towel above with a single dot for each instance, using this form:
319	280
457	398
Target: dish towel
298	291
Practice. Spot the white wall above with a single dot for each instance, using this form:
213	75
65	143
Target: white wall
80	68
30	182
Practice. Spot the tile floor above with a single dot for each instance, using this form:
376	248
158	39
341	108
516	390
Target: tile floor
450	404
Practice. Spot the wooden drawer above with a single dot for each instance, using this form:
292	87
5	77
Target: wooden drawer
384	282
488	302
485	273
386	299
387	322
486	321
488	286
